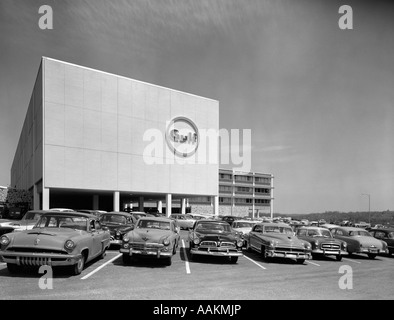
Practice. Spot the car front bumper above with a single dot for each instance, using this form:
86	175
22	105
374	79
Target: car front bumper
330	252
372	251
147	252
39	259
219	253
288	254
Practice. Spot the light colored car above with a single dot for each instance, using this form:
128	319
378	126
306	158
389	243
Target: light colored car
184	221
243	227
28	221
277	240
58	239
152	236
360	241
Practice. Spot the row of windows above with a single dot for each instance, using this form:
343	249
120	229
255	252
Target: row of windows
247	179
244	189
228	200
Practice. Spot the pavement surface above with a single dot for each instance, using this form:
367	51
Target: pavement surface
208	278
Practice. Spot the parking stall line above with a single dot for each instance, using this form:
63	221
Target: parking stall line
314	263
256	263
351	260
186	259
102	266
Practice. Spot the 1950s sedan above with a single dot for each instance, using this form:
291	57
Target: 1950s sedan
322	242
152	236
58	239
360	241
118	223
214	238
277	240
385	234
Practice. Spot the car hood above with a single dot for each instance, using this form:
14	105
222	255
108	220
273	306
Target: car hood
149	235
216	236
285	239
50	238
368	241
115	226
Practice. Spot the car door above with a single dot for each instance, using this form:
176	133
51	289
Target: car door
96	237
254	239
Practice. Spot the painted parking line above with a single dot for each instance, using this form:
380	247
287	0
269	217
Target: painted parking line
102	266
347	259
256	263
186	259
314	263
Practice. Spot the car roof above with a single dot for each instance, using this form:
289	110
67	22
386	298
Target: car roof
351	228
68	214
248	221
313	228
42	211
163	219
120	213
273	224
212	220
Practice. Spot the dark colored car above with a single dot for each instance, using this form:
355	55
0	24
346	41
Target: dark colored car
322	242
229	219
118	223
214	238
386	235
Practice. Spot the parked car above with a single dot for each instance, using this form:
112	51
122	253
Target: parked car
58	239
229	219
184	221
386	235
360	241
140	214
277	240
26	223
243	227
214	238
118	223
151	236
96	213
322	242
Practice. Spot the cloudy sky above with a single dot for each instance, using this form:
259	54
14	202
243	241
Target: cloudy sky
319	100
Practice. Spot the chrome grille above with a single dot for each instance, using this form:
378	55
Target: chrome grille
145	246
209	244
330	246
34	261
289	249
227	244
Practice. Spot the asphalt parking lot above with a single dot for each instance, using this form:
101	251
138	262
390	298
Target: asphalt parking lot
209	278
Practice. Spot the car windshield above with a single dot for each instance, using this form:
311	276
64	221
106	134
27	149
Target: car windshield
32	216
153	224
326	233
242	224
79	223
112	218
217	227
278	229
360	233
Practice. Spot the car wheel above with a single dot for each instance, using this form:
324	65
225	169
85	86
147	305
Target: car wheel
300	261
79	266
233	259
371	255
12	268
339	257
126	258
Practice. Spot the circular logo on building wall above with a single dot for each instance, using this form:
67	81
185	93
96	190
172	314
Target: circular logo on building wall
182	136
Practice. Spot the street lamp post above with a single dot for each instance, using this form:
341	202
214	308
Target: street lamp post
369	206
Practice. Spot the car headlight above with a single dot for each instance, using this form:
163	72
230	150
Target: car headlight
196	240
126	238
240	243
344	245
69	245
166	242
117	233
4	241
316	242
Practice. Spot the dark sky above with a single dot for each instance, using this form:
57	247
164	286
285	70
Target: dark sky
319	100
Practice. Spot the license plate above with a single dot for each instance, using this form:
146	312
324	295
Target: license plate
373	250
